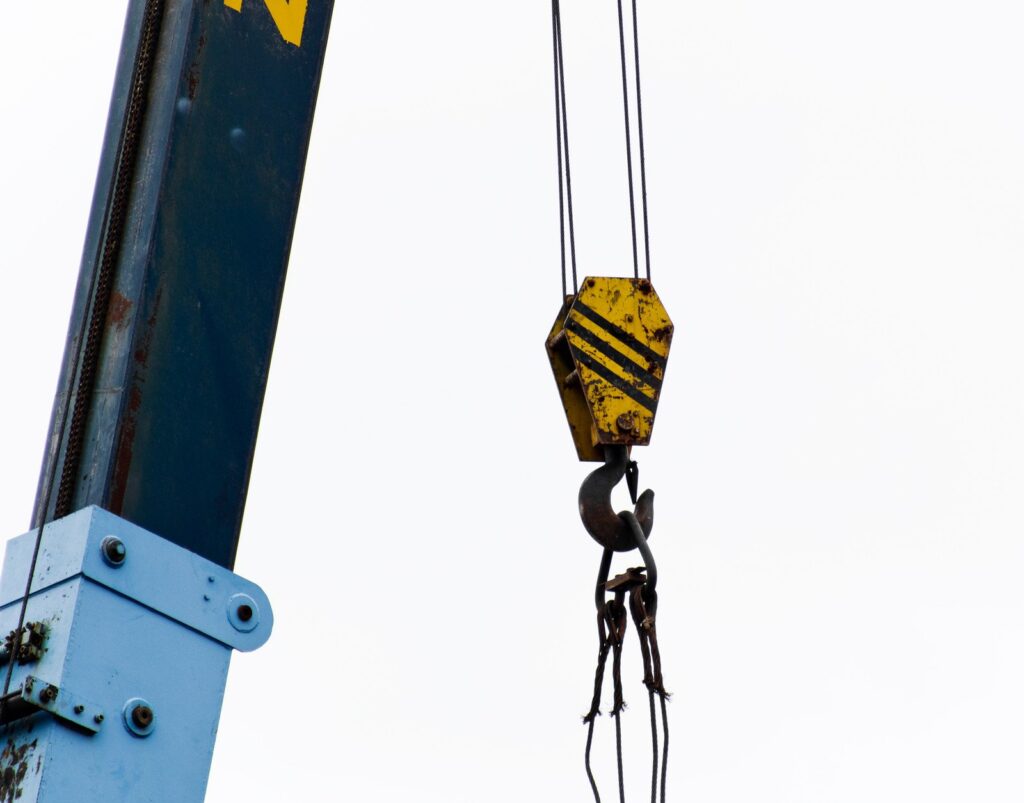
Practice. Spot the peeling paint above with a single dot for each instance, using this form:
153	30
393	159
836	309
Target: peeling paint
15	761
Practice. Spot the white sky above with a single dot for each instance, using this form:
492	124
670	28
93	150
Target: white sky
837	212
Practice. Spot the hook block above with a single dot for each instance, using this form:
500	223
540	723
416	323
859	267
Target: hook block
608	350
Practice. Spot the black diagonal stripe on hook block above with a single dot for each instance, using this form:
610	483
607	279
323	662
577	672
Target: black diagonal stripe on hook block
619	333
614	380
629	366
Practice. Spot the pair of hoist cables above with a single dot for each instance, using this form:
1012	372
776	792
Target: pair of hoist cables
566	217
608	350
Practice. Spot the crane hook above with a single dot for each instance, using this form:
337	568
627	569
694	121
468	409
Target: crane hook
599	517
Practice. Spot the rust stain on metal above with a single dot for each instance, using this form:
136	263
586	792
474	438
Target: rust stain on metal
193	70
117	312
142	348
125	452
14	767
126	437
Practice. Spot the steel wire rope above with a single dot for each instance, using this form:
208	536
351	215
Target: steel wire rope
640	132
664	754
654	752
586	762
618	756
558	139
564	164
629	140
127	148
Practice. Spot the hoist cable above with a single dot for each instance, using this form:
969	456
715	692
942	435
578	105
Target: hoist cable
558	138
654	751
604	646
618	632
664	754
586	762
640	127
568	166
629	140
643	618
564	165
618	756
127	147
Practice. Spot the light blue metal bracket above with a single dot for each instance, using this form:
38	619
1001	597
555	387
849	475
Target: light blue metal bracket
120	697
61	703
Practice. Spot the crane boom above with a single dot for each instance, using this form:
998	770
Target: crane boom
197	269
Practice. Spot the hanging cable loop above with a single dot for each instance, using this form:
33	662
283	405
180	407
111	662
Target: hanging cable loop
639	584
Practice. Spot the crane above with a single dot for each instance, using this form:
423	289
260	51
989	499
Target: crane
120	584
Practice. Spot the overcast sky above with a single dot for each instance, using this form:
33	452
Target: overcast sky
837	219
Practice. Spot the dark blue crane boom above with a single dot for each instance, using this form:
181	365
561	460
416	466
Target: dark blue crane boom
214	162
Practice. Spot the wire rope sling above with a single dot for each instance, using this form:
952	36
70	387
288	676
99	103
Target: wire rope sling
608	350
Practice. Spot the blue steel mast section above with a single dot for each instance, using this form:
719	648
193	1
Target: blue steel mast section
120	603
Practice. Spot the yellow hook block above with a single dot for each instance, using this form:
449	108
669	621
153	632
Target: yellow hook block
608	350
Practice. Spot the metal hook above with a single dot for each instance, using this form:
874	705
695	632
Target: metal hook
600	518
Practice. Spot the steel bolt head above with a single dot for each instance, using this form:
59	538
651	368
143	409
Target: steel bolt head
114	550
142	716
138	717
243	613
625	422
